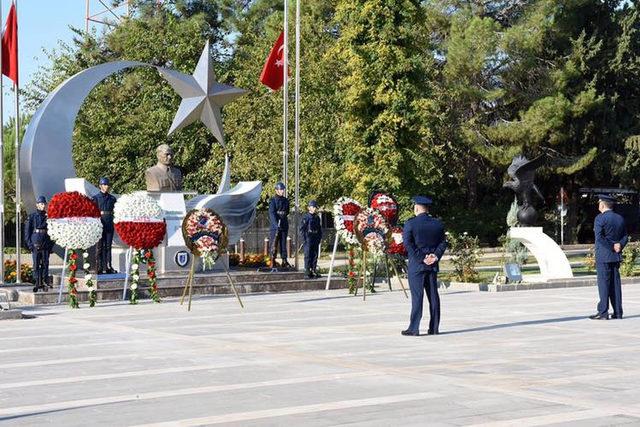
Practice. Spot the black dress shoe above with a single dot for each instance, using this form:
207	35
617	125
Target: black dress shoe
436	332
410	333
285	264
615	317
599	317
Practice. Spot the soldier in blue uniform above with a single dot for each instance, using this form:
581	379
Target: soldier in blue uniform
425	241
611	238
39	243
279	225
311	230
105	202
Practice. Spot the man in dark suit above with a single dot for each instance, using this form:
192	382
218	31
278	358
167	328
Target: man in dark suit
106	203
38	241
311	230
611	238
279	225
425	241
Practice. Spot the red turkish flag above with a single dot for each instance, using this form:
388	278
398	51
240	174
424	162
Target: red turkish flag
272	72
10	46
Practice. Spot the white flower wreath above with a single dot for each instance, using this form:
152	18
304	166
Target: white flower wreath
75	232
138	207
339	218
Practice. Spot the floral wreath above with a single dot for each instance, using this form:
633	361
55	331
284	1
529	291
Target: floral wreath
73	222
372	231
139	221
387	205
345	210
205	234
396	243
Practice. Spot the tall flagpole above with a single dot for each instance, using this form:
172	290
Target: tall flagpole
17	147
285	99
1	166
297	132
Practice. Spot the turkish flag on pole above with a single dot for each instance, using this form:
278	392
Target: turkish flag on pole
272	72
10	46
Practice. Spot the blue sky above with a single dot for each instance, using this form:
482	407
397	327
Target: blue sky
41	23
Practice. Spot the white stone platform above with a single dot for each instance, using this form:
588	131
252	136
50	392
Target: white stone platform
325	359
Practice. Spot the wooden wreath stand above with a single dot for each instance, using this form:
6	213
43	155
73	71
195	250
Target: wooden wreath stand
363	275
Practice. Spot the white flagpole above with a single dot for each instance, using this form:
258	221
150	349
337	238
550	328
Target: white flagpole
297	131
1	166
285	99
18	191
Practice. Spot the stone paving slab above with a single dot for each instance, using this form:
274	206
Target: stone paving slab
324	359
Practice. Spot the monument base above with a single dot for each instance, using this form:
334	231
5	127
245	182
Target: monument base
551	259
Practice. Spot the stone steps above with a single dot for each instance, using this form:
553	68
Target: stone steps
206	284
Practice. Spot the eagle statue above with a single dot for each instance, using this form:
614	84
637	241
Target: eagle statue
522	172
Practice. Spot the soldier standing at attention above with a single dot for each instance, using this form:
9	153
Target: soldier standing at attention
279	224
40	244
611	238
425	241
105	202
311	230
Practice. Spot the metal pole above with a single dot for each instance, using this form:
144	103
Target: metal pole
285	99
86	20
2	243
333	259
297	130
18	191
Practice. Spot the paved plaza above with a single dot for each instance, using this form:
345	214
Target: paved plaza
324	358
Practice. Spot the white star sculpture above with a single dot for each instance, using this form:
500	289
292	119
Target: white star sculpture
202	96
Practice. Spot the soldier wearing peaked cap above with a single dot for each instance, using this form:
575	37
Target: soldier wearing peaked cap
311	230
279	225
611	238
425	242
105	202
38	241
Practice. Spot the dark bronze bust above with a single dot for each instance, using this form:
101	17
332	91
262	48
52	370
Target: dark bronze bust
164	176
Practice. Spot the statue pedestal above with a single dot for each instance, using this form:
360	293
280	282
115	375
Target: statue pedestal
550	257
172	255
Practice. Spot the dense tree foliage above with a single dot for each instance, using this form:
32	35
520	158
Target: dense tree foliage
413	96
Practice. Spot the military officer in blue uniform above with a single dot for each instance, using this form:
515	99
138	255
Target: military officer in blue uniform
311	230
105	202
611	238
279	225
39	243
425	242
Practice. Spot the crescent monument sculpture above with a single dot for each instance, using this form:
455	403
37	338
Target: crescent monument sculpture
46	152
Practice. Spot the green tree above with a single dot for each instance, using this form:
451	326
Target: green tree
385	72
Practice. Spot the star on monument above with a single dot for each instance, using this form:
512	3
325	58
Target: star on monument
202	96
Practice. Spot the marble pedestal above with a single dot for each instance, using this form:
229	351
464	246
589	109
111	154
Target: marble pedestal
551	259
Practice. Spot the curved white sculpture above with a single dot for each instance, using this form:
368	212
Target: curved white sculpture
551	259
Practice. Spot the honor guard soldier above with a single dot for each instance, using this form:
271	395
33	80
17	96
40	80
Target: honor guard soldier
40	244
311	230
279	225
425	241
105	202
611	238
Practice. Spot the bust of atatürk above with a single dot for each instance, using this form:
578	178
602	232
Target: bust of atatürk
164	176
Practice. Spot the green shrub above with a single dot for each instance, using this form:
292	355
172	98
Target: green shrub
465	254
